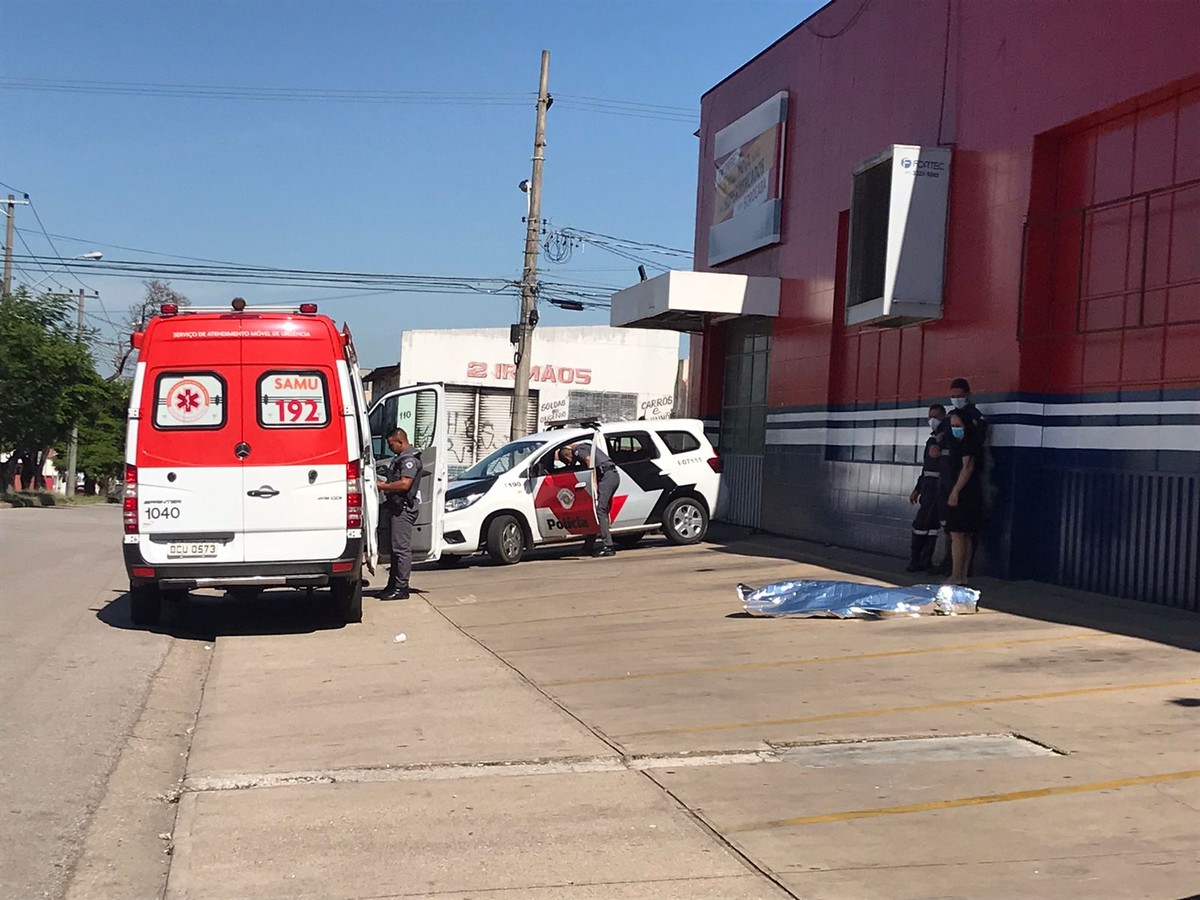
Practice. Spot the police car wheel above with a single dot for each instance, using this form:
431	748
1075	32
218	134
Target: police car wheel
145	604
685	521
505	540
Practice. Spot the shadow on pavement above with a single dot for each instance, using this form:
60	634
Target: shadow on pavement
206	617
1028	599
572	552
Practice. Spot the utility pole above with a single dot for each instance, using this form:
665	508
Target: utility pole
10	208
8	238
533	230
73	450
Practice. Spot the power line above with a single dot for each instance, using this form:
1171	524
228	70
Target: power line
90	243
50	241
607	106
308	278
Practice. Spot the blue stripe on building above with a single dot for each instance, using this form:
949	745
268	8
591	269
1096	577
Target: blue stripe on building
1099	499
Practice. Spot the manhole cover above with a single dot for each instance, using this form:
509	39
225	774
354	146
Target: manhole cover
905	751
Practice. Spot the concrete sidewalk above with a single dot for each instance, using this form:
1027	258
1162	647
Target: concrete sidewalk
585	728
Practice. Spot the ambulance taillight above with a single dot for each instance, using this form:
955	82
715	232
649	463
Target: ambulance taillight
130	502
354	497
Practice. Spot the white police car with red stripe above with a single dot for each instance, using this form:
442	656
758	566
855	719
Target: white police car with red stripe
524	495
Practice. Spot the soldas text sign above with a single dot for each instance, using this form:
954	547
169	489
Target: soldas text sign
541	374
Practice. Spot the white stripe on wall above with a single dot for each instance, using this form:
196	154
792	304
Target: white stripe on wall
1076	437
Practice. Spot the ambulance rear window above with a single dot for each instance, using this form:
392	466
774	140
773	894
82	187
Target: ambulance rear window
189	400
293	400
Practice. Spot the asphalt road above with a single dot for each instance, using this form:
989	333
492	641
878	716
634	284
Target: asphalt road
74	677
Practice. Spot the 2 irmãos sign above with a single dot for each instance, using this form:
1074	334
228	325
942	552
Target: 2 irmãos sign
541	374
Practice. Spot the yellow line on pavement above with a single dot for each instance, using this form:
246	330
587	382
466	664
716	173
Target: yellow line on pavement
807	661
970	801
923	707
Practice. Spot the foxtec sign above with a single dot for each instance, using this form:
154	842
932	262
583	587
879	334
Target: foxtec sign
748	181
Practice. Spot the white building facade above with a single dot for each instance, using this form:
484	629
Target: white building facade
576	372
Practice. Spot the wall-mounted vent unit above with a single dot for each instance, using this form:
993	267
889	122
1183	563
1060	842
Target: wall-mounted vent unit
897	254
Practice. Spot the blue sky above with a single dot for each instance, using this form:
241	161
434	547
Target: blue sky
383	187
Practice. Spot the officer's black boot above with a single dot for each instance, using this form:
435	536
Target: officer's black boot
914	553
393	591
925	562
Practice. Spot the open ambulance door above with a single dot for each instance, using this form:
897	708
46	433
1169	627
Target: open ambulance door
421	411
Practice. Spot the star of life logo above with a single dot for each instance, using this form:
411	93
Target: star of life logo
188	401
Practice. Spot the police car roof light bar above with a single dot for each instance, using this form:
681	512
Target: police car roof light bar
590	422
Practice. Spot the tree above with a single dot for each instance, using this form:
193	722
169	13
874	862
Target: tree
47	380
102	436
157	293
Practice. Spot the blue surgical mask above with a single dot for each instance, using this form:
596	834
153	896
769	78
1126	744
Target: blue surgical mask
934	423
958	402
959	433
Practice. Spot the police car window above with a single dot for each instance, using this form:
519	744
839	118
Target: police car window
503	460
629	447
293	400
189	400
553	462
680	441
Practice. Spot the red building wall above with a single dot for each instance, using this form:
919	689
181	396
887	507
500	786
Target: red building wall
988	77
1072	284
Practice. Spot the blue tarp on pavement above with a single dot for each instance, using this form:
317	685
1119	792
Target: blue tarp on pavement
852	600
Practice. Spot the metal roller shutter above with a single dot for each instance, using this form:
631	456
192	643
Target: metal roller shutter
495	419
460	428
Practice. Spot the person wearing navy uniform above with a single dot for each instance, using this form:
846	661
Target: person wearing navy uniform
962	405
964	504
608	479
927	523
402	500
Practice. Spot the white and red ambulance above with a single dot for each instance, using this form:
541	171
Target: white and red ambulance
249	460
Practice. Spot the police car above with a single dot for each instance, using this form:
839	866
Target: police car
523	495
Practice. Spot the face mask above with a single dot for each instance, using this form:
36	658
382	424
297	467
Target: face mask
934	423
958	433
958	402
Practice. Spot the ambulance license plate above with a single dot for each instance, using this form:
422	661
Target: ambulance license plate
191	550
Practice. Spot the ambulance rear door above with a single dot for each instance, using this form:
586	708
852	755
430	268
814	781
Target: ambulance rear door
421	411
184	430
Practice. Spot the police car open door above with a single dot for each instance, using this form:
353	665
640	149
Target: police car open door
421	411
564	495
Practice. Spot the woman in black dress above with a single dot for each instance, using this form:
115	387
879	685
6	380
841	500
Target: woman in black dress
964	507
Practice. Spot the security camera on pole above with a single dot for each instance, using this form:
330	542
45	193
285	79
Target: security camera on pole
523	330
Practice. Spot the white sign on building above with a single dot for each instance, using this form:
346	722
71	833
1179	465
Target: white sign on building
576	372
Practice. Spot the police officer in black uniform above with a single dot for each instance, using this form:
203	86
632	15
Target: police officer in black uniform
926	523
402	500
608	479
962	404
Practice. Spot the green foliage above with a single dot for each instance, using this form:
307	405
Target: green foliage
47	379
101	452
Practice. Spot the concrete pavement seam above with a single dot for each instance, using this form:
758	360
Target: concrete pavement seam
171	794
731	848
